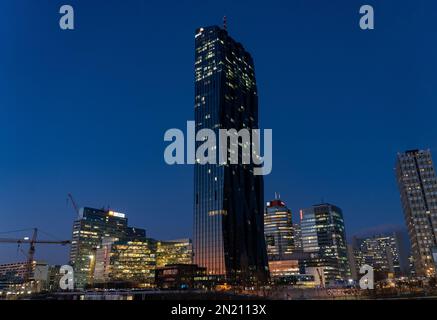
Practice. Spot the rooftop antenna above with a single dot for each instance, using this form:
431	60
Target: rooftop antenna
225	23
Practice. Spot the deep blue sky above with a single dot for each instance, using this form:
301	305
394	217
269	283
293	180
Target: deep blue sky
85	111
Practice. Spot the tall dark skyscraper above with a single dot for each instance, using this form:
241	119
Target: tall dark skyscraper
417	182
229	199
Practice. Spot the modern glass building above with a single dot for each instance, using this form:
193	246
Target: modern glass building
278	230
228	204
133	259
174	252
323	235
417	183
297	237
385	253
89	229
129	261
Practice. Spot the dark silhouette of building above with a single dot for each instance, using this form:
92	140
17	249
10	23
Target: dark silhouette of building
229	198
180	276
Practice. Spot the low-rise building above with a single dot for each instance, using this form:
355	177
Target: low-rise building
180	276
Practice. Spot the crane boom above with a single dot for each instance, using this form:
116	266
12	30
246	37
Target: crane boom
76	208
31	251
20	241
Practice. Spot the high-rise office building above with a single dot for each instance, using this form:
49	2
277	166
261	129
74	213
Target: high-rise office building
134	258
278	230
134	261
354	258
385	253
297	237
411	267
128	261
88	231
418	188
323	235
228	198
174	252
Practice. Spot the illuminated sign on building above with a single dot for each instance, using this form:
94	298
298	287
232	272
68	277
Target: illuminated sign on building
116	214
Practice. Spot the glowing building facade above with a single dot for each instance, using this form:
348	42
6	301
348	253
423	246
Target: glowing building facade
385	253
417	183
278	230
174	252
324	236
89	229
228	204
131	261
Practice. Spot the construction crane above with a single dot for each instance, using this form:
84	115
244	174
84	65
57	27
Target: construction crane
76	208
31	251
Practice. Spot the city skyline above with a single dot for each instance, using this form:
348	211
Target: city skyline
100	170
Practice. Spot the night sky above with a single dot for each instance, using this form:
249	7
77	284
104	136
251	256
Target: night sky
85	111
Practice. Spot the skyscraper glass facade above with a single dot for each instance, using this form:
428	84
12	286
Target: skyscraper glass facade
297	237
134	258
383	252
133	261
88	231
323	233
228	205
418	187
174	252
278	230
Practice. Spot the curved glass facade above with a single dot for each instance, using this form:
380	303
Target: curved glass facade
228	205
